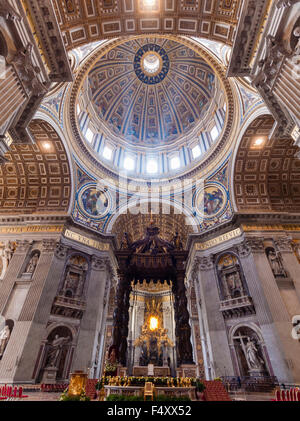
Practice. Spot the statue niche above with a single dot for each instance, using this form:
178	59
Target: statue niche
276	264
5	334
250	355
74	278
231	277
56	354
32	263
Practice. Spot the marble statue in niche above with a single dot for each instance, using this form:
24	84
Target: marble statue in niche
75	276
276	263
249	352
231	279
4	338
56	356
253	359
55	350
296	33
6	327
32	264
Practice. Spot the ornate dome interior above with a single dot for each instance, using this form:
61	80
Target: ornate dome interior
151	106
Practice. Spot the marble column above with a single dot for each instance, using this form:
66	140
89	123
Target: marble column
292	265
183	328
213	321
37	307
274	318
83	358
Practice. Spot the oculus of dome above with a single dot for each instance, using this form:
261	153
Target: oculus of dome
151	64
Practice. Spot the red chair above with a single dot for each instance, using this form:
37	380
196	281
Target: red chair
288	398
278	395
21	396
282	395
292	394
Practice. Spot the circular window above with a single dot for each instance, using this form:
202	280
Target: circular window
151	63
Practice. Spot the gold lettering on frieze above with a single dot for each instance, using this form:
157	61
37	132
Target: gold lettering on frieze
31	229
87	241
274	227
219	240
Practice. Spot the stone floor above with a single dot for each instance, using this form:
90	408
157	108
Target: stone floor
252	396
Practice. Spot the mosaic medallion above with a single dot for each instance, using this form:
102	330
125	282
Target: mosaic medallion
151	64
211	201
94	202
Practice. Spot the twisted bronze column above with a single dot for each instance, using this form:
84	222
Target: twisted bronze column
183	329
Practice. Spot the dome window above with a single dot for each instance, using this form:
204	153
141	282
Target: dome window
89	135
175	163
129	163
214	133
196	151
152	166
107	153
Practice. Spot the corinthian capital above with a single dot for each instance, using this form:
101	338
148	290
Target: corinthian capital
98	263
256	245
284	244
22	245
244	249
206	263
49	245
61	250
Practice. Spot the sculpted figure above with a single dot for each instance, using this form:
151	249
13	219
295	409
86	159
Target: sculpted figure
4	338
32	263
297	35
275	264
55	350
253	359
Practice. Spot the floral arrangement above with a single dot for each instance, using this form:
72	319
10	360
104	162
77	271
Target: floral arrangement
157	381
110	367
66	397
161	398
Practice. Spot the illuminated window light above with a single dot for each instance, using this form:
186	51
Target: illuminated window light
78	109
107	153
196	151
214	133
129	163
259	142
151	63
153	323
46	146
152	166
149	3
175	163
89	135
